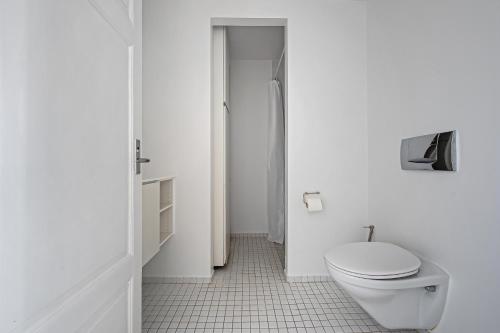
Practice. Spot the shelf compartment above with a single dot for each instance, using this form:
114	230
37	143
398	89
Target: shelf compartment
163	209
164	237
157	215
166	192
166	225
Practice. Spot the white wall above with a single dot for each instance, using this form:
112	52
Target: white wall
327	147
433	66
248	98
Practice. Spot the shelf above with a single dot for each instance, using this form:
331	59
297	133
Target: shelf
166	192
166	224
154	180
157	215
162	209
165	236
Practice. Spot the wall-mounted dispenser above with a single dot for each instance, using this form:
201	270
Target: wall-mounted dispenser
313	202
430	152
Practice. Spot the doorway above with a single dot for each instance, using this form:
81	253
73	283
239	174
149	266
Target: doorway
248	135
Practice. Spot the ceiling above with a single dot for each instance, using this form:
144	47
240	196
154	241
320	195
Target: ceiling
255	43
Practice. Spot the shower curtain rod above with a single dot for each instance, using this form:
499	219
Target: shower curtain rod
279	64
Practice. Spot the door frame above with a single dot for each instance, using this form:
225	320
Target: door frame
136	133
254	22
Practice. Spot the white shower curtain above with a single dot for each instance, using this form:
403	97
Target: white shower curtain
276	165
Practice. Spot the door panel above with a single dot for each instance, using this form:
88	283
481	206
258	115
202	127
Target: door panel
67	232
218	149
111	319
227	225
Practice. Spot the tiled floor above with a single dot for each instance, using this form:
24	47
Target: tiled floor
250	294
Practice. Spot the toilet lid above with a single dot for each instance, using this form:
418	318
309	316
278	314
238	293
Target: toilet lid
373	260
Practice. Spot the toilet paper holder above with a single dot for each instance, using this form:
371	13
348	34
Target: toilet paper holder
306	194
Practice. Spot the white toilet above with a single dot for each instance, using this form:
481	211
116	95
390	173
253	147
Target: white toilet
393	285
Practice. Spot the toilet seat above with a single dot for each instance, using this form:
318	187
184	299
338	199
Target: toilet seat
373	260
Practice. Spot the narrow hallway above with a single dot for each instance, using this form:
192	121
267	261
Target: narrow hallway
250	294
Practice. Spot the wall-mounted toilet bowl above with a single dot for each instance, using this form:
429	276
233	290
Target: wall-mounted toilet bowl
393	285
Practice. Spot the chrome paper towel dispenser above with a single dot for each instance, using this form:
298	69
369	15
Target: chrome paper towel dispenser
430	152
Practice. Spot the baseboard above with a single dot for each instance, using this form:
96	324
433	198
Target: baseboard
308	278
175	279
239	234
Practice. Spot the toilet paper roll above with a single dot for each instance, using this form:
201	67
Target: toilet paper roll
314	204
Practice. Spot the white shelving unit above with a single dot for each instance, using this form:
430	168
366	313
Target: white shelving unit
157	215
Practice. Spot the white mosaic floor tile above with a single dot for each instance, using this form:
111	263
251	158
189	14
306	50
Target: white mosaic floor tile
250	294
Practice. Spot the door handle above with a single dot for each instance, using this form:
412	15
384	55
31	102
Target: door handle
227	107
138	159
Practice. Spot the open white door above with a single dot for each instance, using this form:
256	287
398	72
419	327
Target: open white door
69	116
227	224
220	125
